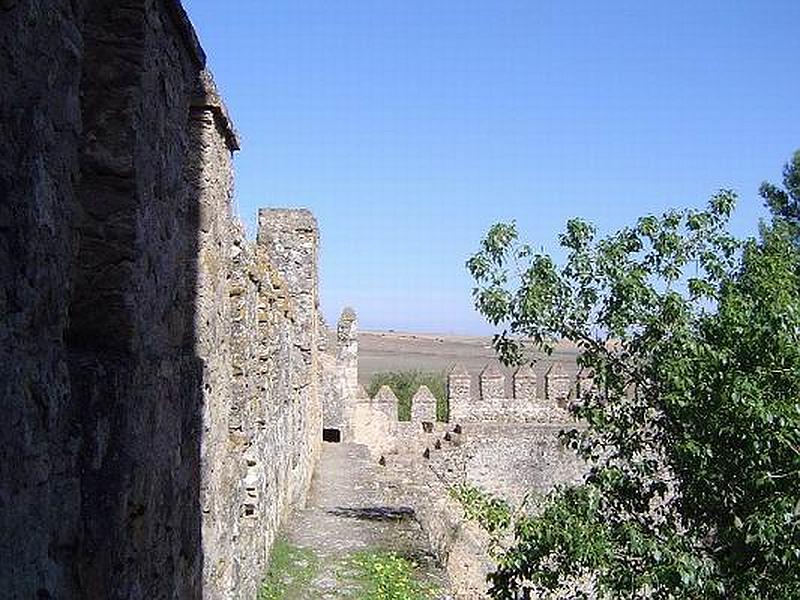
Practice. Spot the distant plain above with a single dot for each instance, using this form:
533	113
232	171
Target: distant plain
399	351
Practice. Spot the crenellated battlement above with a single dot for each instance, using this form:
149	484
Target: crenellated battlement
493	403
485	397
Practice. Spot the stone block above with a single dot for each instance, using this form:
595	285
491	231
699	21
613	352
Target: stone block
423	406
493	383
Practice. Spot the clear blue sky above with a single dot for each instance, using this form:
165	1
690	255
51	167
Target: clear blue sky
409	127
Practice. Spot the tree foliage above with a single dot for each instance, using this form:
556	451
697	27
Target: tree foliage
785	202
490	512
692	341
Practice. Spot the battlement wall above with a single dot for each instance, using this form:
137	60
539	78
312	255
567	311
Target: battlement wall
525	404
160	373
501	435
485	399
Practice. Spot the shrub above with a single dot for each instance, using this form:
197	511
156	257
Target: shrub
405	384
693	422
491	513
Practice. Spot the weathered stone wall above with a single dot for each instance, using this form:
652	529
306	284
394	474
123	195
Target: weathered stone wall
505	459
462	545
513	460
136	373
505	444
41	50
99	386
160	373
290	239
262	435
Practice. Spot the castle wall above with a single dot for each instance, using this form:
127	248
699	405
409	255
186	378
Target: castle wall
511	460
41	50
290	239
136	371
262	437
343	377
492	402
463	547
506	444
160	373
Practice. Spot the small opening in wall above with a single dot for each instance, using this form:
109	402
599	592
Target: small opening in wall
331	435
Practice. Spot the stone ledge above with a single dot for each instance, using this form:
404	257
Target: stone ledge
207	97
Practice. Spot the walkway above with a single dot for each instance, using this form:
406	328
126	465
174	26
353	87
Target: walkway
350	516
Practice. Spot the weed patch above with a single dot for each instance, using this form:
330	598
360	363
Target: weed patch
388	576
290	571
491	513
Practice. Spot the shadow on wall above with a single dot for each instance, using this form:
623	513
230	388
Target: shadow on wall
102	384
135	374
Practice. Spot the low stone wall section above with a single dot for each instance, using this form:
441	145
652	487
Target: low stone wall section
462	546
511	461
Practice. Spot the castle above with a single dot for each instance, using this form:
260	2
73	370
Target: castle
166	382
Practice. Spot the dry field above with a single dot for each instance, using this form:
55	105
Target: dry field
396	351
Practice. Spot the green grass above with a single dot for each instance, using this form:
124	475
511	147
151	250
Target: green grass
367	575
405	384
388	576
290	571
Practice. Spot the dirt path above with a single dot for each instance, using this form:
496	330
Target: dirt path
350	516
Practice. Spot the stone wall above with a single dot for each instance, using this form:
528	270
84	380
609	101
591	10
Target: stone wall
290	239
137	376
513	460
463	547
492	402
160	373
502	439
505	443
262	435
41	50
340	376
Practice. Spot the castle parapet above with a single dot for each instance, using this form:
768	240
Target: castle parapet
423	406
341	390
459	393
493	403
493	383
525	384
385	401
557	384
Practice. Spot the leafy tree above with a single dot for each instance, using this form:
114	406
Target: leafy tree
692	422
785	203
